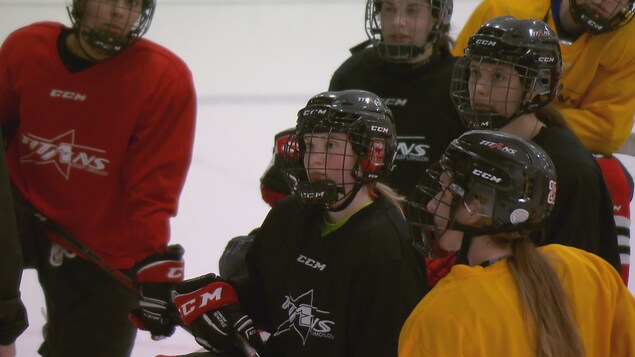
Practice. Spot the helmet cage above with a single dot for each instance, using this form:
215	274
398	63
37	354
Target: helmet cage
536	59
513	187
441	13
590	17
108	42
369	133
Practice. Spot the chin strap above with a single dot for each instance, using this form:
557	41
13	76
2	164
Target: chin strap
461	254
348	200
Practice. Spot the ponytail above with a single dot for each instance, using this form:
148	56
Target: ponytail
545	302
391	195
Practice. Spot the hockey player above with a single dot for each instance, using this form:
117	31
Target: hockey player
508	76
488	193
332	270
409	66
598	95
99	125
13	319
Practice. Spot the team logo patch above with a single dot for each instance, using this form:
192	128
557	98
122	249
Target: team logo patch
63	153
498	146
412	148
305	319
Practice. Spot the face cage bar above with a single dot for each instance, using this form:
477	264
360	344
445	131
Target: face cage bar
403	53
107	42
589	17
462	82
308	172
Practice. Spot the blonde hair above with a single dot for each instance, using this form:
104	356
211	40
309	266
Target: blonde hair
543	298
391	195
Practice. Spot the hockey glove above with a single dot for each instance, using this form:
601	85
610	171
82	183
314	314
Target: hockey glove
156	275
209	307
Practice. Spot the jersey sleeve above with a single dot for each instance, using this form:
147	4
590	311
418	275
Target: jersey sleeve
621	309
623	339
432	334
159	156
603	118
483	12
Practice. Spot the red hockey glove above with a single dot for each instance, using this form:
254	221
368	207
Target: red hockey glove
156	276
209	307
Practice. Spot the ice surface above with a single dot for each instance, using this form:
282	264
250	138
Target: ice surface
255	63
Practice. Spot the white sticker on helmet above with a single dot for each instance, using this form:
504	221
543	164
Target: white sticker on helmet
519	215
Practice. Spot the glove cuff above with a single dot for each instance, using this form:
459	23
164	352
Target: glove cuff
167	267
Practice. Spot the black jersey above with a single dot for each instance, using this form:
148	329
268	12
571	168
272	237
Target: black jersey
426	120
345	294
583	214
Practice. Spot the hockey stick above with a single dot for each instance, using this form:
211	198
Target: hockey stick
88	253
240	342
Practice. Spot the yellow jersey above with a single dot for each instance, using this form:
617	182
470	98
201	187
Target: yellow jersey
476	311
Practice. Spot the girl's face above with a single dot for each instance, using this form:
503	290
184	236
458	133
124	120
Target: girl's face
406	22
330	156
115	17
440	206
604	9
494	88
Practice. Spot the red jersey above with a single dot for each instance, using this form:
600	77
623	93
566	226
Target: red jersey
104	151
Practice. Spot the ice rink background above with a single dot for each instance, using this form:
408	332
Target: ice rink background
255	64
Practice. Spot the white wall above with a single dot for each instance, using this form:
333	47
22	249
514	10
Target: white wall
255	63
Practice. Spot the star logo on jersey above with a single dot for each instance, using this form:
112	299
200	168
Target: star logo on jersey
305	319
62	152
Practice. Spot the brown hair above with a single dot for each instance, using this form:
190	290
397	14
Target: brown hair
543	298
391	195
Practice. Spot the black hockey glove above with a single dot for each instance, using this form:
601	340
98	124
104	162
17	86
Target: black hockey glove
209	307
156	275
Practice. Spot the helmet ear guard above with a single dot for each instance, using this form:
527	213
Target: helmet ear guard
374	161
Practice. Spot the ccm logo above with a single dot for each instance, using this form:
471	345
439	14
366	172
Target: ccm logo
311	263
175	273
313	194
315	111
379	129
486	42
546	59
200	301
58	93
487	176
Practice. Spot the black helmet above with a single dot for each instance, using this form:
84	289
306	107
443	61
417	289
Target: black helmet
368	128
441	12
597	18
512	179
108	42
528	46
